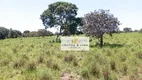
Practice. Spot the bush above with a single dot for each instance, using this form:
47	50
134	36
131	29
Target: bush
4	62
52	65
31	66
112	65
68	58
19	63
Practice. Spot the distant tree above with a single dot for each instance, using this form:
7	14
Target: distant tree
44	32
11	34
26	33
14	33
49	33
98	23
3	32
33	34
41	32
140	31
136	30
126	29
62	14
19	33
120	31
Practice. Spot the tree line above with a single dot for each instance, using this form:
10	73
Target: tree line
10	33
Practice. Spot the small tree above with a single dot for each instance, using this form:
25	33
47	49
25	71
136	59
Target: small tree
98	23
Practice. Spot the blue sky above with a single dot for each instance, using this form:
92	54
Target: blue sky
24	14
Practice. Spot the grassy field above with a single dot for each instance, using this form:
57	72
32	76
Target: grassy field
38	59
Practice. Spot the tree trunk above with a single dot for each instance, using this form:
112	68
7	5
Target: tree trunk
101	41
58	35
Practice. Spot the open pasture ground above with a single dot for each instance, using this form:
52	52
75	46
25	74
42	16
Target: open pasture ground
38	58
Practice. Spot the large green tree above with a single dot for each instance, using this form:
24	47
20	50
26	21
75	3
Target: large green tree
60	14
99	22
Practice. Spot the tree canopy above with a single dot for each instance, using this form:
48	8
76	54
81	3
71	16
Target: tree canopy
99	22
61	14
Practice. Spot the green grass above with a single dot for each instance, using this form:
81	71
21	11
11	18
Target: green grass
37	58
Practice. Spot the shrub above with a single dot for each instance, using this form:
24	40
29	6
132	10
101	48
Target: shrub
4	62
52	65
19	63
68	58
75	62
56	66
31	66
112	65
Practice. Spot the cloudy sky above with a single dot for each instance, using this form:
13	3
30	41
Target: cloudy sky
25	14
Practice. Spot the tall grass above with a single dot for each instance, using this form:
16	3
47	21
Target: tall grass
37	58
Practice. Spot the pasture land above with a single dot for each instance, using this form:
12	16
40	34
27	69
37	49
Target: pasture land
38	58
